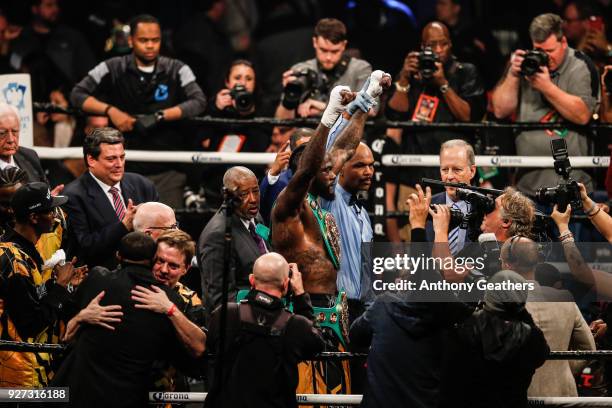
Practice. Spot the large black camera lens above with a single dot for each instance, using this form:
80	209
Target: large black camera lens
427	63
243	99
532	61
299	89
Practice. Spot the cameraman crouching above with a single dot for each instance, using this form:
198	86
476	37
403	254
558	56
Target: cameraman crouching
264	341
551	83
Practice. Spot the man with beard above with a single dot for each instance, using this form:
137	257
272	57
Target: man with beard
302	231
31	305
145	95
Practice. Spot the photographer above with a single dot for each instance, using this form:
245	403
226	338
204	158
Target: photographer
514	214
237	100
552	83
313	80
432	87
265	341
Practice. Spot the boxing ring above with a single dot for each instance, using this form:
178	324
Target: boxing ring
501	161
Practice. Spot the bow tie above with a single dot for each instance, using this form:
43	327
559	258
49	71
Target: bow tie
357	201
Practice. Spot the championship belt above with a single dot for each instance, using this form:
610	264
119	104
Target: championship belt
335	317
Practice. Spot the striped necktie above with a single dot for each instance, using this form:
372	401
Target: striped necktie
117	203
453	236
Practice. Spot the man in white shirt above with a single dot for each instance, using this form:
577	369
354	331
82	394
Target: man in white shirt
103	200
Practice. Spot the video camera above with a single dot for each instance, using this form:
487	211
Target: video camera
456	217
427	63
298	90
567	191
480	204
243	99
532	61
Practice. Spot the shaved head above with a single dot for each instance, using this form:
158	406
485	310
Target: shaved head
520	254
434	27
153	218
357	172
271	270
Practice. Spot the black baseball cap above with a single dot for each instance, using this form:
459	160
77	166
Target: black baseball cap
34	198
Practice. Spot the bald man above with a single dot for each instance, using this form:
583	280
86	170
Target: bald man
263	369
154	218
247	238
556	314
11	154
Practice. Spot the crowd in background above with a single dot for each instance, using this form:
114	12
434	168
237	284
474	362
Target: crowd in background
92	249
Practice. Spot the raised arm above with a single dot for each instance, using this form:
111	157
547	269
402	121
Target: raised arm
348	130
290	200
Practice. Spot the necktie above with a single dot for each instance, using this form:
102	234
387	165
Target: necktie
453	236
258	240
117	203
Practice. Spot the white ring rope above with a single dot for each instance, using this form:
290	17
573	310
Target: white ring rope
338	399
403	160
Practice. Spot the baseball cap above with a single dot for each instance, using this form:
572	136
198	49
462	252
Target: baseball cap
35	197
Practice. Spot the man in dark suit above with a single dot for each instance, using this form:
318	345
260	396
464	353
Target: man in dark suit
111	368
247	244
457	165
103	200
11	154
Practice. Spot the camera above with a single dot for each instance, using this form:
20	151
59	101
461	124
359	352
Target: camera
567	191
427	63
194	201
456	217
243	99
479	202
298	90
532	61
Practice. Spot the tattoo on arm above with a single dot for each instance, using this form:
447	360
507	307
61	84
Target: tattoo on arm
290	200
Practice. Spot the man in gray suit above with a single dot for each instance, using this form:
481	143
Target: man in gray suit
247	241
557	315
11	154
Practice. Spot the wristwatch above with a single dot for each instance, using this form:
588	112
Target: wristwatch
444	88
159	115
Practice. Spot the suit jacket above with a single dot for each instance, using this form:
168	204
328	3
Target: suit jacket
28	161
210	258
564	329
93	227
111	368
269	193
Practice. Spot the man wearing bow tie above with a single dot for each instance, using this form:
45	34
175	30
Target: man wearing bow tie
247	241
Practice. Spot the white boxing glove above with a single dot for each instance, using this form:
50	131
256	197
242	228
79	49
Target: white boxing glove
334	106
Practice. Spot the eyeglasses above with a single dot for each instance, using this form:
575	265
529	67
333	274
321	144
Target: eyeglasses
171	227
5	132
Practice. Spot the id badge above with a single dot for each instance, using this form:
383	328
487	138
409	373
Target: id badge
426	108
231	143
552	117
